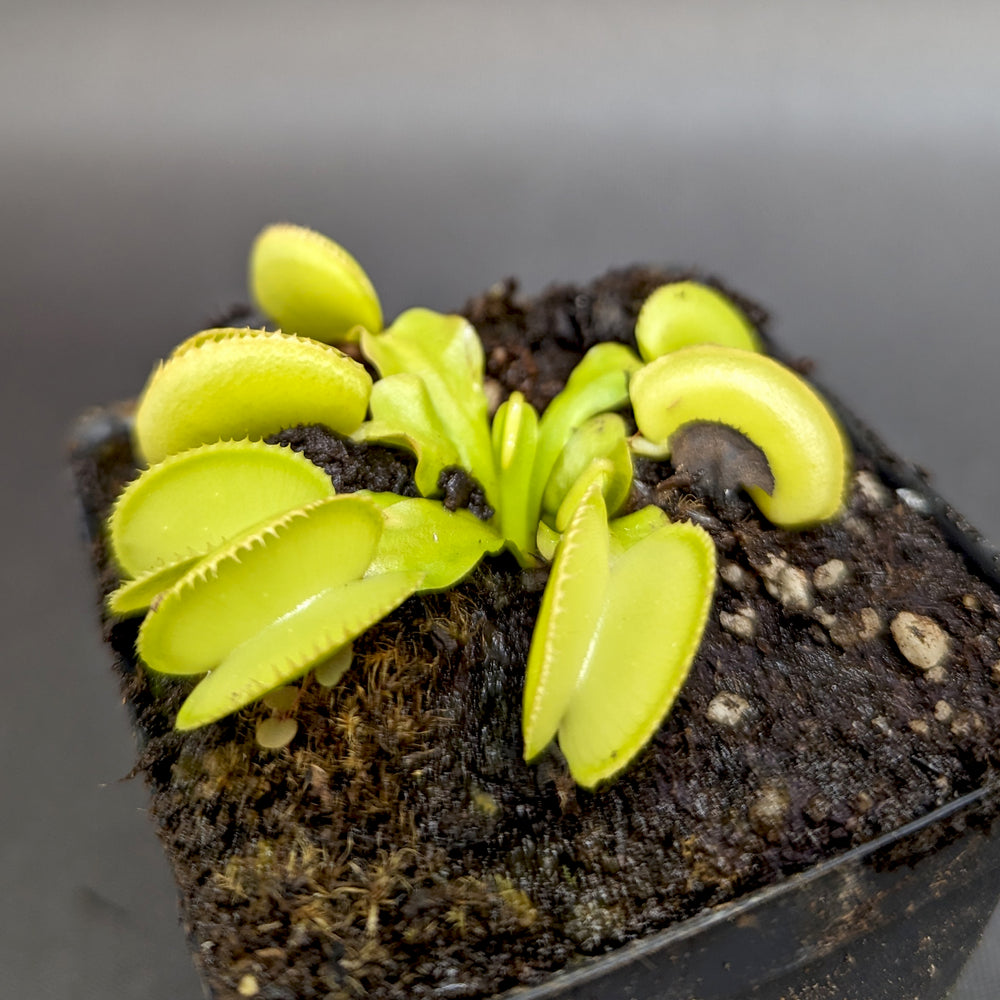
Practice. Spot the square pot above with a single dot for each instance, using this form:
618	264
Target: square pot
894	916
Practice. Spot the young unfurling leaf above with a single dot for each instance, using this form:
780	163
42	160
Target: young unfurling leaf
597	384
599	439
404	415
515	442
445	352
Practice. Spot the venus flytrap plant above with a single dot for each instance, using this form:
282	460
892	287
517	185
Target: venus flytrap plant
255	594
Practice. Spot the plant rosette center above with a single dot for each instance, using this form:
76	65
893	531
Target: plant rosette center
252	572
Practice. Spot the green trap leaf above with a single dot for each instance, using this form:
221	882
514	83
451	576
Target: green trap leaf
620	623
654	613
564	631
229	598
777	410
293	643
191	503
685	313
234	384
311	286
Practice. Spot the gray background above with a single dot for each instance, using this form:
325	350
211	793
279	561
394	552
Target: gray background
838	161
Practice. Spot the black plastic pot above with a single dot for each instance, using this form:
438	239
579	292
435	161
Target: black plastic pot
893	919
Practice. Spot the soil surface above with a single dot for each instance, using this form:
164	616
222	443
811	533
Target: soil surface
400	847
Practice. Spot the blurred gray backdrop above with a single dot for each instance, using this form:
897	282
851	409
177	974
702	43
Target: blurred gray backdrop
838	161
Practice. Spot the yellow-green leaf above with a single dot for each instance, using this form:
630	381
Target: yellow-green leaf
600	437
598	383
424	536
404	415
515	439
293	644
546	539
133	597
776	409
241	589
626	531
570	610
247	384
311	286
597	475
654	611
192	502
686	313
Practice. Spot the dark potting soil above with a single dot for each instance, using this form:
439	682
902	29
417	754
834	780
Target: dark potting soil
400	847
